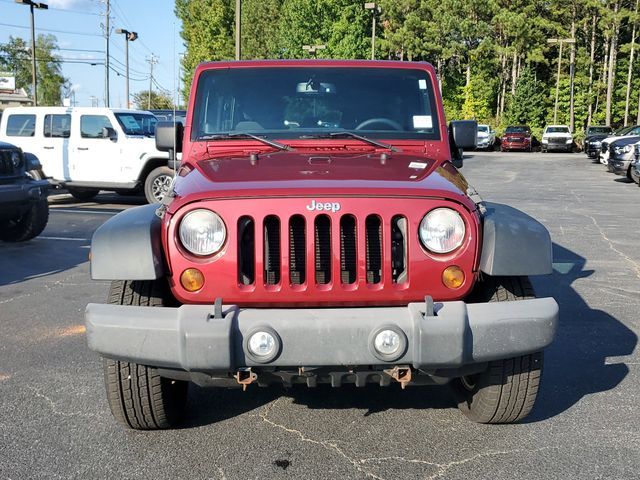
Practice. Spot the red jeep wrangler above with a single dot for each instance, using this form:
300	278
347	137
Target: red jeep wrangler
319	232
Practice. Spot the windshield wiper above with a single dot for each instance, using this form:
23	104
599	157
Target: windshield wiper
346	133
231	136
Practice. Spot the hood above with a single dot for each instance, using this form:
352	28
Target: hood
313	174
598	137
517	135
557	135
622	141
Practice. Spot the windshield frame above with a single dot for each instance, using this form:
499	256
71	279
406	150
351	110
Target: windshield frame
431	102
517	129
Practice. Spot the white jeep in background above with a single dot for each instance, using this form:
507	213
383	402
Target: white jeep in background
86	150
557	137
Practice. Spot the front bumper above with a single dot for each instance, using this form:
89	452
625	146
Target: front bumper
557	147
619	166
190	337
19	195
516	145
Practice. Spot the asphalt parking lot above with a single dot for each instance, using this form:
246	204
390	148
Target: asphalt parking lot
55	422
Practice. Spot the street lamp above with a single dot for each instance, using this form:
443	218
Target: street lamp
373	7
313	49
561	41
128	37
40	6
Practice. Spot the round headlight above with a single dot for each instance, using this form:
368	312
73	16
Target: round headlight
202	232
442	230
16	159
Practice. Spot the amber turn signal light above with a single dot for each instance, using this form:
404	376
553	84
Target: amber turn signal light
453	277
192	279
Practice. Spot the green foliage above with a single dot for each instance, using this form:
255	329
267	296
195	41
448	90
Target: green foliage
492	56
15	56
159	100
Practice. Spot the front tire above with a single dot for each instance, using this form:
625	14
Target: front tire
29	225
157	184
506	391
139	398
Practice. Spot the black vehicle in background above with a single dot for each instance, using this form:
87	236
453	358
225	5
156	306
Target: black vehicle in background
170	115
24	210
593	138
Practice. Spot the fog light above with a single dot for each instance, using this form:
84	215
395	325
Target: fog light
263	345
453	277
387	342
192	279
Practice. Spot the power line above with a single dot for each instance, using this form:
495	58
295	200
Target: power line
86	34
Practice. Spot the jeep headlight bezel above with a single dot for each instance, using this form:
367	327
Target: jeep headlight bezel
202	232
442	230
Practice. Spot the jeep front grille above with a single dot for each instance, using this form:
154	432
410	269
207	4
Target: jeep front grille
287	250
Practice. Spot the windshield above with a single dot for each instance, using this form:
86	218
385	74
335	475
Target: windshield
623	131
557	130
598	130
517	130
483	128
137	123
294	102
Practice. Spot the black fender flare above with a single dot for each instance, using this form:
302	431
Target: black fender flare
513	243
128	246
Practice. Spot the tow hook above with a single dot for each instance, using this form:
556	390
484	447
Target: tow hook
244	376
401	374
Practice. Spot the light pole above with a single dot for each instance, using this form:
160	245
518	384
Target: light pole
34	80
561	41
373	7
238	28
128	37
313	49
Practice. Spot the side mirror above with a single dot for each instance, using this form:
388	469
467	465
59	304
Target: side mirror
110	133
464	133
169	136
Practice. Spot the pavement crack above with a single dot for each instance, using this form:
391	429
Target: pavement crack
443	468
326	444
54	407
632	262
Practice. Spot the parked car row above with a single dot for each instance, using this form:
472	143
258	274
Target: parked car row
619	151
519	137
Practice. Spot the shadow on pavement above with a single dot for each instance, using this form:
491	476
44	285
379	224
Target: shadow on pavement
576	363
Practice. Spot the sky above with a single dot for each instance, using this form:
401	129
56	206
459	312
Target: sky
77	25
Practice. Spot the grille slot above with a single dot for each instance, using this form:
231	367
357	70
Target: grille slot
297	250
246	251
399	249
373	226
322	237
6	165
271	250
348	250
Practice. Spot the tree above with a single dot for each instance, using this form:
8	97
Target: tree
159	100
15	56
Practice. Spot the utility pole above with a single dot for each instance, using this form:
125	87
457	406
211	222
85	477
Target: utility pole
561	41
107	12
373	7
34	79
128	37
238	28
152	61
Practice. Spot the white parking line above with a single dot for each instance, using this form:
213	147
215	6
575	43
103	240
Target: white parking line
71	239
97	212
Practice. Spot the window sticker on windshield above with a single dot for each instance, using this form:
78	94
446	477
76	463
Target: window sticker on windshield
422	121
422	84
419	165
130	122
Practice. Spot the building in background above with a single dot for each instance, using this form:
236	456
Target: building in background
9	95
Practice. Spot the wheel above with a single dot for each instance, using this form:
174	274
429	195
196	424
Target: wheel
506	391
157	184
629	173
138	397
29	225
83	194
